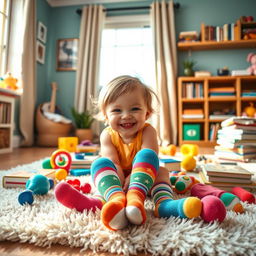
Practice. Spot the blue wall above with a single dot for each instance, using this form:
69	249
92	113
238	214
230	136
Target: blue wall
63	22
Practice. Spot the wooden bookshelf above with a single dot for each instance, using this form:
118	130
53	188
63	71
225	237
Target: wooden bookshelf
240	41
211	104
7	101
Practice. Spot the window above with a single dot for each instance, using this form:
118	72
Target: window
127	49
4	21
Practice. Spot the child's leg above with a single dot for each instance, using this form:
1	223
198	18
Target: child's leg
73	199
230	201
144	170
165	206
106	180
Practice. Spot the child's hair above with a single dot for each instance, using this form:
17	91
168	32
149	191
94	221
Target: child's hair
119	86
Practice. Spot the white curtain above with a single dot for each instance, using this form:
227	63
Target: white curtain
92	22
162	17
21	62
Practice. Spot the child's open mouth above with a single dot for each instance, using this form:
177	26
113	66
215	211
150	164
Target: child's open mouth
127	125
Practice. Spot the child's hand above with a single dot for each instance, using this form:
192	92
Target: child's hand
126	183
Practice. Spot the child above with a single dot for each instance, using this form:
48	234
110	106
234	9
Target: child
129	167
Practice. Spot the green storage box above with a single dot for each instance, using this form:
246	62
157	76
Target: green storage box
191	131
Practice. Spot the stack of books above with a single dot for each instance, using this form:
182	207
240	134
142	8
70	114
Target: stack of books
18	179
226	176
221	91
170	163
193	113
188	36
82	161
237	139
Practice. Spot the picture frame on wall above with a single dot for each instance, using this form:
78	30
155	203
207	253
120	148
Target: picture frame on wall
67	51
40	52
41	32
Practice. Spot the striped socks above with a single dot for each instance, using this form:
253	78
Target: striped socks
144	170
106	180
166	207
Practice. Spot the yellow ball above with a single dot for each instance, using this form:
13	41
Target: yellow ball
189	149
61	174
188	163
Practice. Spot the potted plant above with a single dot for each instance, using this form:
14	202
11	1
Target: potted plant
188	67
83	122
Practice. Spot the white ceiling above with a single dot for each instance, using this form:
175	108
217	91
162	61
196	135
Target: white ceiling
56	3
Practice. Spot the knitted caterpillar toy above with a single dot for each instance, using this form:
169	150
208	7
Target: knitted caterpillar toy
185	183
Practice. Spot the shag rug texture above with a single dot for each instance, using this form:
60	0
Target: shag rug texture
46	222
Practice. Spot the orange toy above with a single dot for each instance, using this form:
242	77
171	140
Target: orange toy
250	110
169	150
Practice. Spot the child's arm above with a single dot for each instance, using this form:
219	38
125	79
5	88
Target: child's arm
108	150
149	139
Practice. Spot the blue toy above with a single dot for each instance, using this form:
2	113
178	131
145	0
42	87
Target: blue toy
36	185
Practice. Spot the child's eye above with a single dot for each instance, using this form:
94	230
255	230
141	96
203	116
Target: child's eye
135	109
116	110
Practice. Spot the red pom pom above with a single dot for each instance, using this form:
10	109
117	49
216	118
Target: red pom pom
86	188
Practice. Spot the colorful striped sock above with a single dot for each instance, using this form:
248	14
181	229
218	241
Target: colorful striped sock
105	178
144	170
165	206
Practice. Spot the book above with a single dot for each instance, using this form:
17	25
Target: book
225	185
235	156
242	120
234	171
19	179
240	73
226	179
235	143
172	164
82	159
202	73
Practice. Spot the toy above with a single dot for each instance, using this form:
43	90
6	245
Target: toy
169	150
212	209
188	163
183	183
80	172
61	159
244	195
252	59
36	185
68	143
250	110
9	82
189	149
61	174
47	164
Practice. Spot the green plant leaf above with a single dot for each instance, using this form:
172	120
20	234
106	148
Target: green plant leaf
82	120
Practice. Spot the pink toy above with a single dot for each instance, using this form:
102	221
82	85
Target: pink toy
244	195
252	59
73	199
212	209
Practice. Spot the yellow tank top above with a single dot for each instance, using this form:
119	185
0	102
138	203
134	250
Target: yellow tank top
126	152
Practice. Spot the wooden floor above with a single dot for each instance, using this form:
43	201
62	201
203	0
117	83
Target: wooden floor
22	156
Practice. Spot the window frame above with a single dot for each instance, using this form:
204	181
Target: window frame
4	38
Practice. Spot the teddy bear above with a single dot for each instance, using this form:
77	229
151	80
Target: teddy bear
252	59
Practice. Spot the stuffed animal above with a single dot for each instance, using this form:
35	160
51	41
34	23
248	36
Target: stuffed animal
252	59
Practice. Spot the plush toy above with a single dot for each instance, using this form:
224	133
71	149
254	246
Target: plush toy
252	59
36	185
9	82
183	183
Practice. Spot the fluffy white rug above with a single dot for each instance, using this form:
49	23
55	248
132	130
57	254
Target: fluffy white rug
46	222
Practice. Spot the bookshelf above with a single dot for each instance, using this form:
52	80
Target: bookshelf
197	93
240	39
6	121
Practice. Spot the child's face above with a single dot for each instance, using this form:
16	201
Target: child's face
127	115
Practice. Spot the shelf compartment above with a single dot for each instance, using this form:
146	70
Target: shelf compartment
4	138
